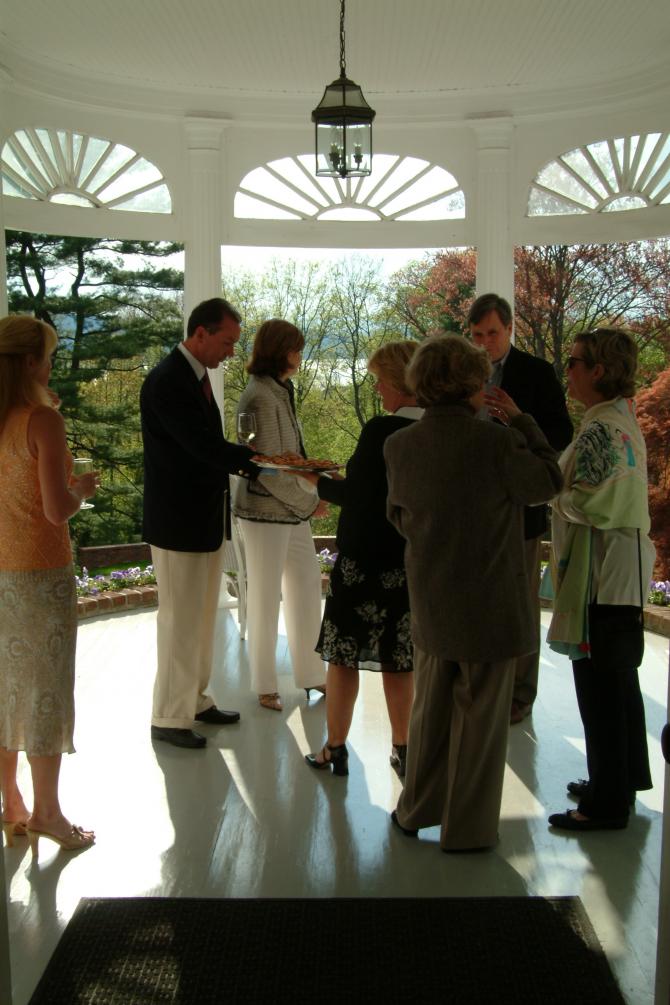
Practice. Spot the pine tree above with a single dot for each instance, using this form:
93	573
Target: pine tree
116	314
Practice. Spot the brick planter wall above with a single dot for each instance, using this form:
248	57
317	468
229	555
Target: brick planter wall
105	555
115	602
656	619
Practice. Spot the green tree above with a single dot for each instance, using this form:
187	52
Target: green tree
116	313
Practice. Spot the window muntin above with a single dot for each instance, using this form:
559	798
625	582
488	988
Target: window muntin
399	188
60	166
607	176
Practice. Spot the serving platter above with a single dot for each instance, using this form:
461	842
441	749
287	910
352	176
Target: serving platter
313	469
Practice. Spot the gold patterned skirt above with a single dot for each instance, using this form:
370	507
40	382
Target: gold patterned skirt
38	637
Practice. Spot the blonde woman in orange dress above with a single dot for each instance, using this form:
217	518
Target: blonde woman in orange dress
38	610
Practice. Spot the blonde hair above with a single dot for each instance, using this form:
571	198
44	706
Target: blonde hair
390	362
447	368
616	351
21	337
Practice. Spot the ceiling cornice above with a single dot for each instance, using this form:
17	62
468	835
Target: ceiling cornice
49	81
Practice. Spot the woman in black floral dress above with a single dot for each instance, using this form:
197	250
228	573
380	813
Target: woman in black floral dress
366	619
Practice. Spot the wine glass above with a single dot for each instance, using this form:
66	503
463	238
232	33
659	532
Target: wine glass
246	427
82	466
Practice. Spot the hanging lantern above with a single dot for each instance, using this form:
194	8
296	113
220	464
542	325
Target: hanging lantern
343	120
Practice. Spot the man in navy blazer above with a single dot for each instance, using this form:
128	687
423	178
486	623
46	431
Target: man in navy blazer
187	462
533	386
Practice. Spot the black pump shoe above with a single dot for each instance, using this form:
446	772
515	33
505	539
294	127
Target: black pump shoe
336	758
321	688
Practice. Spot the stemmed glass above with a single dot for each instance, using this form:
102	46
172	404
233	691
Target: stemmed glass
246	427
83	466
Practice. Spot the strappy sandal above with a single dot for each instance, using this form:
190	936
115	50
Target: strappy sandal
12	829
77	840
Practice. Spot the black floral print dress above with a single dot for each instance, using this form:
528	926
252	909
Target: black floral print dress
366	618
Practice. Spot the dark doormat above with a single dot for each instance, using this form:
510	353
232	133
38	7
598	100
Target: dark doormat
458	950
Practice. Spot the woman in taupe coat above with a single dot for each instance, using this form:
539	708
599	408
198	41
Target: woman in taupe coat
274	516
457	488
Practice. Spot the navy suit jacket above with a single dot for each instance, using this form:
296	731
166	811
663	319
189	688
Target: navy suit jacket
533	385
187	461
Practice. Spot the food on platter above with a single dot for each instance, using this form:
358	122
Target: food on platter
294	462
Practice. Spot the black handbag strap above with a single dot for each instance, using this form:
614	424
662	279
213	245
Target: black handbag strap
639	571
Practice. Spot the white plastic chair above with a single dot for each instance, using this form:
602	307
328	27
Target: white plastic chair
234	579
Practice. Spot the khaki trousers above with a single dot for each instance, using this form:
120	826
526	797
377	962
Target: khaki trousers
188	588
456	750
527	668
282	563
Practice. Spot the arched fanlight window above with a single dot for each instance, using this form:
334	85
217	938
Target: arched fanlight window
631	172
57	165
399	188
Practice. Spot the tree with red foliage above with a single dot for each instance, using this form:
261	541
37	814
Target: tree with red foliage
653	411
433	296
559	291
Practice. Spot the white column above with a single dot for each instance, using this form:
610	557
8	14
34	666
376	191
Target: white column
202	265
495	250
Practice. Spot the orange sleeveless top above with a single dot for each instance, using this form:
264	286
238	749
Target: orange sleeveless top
27	539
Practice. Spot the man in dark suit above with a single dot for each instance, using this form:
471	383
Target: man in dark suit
187	461
533	386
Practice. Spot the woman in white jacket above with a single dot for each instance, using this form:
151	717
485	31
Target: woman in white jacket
274	516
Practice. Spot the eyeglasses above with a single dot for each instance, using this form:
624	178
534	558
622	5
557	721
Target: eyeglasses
573	360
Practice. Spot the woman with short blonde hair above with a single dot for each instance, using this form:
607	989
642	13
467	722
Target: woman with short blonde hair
38	611
366	621
390	361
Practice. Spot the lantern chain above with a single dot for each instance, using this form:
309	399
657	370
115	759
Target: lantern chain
343	68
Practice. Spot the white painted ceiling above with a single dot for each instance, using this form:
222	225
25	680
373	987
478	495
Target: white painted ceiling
473	55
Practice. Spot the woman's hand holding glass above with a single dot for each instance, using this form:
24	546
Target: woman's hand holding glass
85	480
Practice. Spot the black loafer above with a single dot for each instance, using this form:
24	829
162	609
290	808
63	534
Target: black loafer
406	830
567	821
217	716
178	737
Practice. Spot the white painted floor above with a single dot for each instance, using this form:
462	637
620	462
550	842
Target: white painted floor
246	817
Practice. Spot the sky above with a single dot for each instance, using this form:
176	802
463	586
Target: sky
253	259
256	260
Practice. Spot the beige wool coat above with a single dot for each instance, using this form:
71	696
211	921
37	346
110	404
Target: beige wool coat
457	488
279	497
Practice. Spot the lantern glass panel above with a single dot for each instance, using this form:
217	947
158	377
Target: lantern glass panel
343	149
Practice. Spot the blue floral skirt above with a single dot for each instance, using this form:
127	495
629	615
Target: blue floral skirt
366	618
